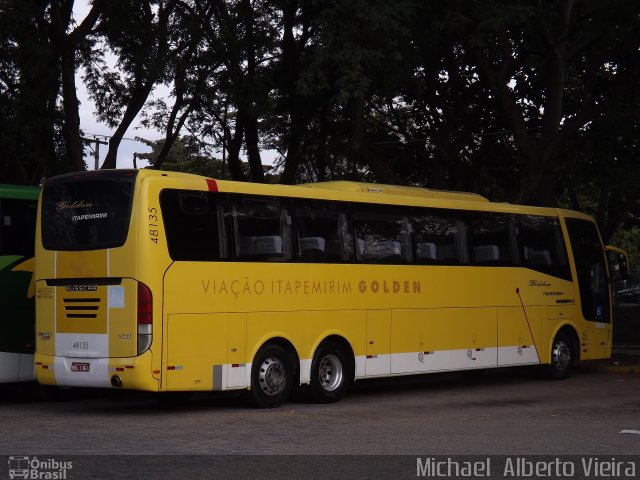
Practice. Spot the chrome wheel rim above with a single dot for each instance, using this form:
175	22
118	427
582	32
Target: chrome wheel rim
561	355
330	373
272	376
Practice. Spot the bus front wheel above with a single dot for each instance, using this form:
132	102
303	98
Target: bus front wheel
562	358
330	373
271	377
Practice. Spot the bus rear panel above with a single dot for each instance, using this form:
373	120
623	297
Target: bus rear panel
94	316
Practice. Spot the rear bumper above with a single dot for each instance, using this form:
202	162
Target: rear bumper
135	373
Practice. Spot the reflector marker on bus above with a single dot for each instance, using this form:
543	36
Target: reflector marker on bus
174	367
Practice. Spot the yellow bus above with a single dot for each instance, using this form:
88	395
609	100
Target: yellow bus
171	282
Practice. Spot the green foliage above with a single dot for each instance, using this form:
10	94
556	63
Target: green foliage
186	155
532	102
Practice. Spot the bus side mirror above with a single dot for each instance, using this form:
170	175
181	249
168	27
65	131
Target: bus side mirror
618	261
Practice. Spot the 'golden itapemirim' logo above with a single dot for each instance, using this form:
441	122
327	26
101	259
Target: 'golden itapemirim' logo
247	286
68	205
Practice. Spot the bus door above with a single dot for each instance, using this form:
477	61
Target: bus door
593	284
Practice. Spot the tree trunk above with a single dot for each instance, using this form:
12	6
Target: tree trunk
253	152
292	160
66	49
136	103
71	126
233	148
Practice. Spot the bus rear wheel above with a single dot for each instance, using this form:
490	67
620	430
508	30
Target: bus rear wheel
562	358
330	373
271	377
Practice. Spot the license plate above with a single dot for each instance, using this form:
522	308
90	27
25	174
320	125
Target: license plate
79	367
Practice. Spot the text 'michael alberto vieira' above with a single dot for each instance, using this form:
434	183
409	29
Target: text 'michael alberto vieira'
520	467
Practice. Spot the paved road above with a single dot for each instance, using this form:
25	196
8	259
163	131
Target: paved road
503	412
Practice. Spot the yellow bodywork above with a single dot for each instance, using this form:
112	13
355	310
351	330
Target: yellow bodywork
210	318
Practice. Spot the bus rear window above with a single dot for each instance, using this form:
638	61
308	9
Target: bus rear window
87	211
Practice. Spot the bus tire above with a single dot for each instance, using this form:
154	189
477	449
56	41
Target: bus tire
330	373
271	377
563	357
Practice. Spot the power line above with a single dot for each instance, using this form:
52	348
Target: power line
95	140
96	135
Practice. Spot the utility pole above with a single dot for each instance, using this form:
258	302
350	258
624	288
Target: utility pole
96	150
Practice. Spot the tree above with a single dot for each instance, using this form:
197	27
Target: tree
186	154
541	63
66	42
141	35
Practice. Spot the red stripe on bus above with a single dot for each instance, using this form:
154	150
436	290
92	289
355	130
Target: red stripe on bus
212	185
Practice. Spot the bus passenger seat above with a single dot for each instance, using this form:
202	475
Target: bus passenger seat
486	253
268	244
312	243
381	250
312	249
537	257
426	251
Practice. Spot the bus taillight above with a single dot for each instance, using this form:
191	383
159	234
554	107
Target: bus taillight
145	317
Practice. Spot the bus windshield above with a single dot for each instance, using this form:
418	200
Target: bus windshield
87	212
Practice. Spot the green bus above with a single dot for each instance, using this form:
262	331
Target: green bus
18	209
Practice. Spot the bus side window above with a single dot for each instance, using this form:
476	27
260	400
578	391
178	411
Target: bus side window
18	220
490	239
435	237
194	226
382	234
262	228
322	233
541	246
